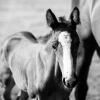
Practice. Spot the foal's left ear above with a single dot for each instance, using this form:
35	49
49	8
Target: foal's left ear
51	19
75	16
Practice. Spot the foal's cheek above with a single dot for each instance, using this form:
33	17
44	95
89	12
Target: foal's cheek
61	64
60	60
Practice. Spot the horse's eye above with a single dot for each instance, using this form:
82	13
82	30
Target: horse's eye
55	44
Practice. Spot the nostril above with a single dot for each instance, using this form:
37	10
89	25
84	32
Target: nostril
70	83
64	81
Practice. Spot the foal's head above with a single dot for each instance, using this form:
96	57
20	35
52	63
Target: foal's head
65	44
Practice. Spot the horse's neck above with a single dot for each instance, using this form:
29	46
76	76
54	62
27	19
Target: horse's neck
48	77
48	57
51	56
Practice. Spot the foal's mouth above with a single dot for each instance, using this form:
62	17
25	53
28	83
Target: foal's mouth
69	84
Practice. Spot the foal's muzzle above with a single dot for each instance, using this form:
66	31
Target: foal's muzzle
70	83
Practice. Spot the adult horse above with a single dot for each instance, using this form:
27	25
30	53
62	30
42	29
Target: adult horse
44	67
89	32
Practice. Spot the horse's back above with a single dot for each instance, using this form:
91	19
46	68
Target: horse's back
10	43
95	20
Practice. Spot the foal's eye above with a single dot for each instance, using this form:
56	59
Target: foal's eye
55	44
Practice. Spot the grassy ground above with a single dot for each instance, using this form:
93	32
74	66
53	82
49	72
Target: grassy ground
29	15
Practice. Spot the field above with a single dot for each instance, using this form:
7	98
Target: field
29	15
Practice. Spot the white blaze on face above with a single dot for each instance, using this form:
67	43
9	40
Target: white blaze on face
65	40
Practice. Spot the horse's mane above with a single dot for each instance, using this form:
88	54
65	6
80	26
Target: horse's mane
29	36
44	39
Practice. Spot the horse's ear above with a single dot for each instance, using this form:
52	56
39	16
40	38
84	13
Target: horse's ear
51	19
75	16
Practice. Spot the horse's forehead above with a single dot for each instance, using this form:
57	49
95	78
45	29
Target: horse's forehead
63	36
58	33
64	33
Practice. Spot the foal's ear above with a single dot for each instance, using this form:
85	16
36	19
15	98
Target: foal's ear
75	16
51	19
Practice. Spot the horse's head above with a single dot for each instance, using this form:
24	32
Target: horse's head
65	44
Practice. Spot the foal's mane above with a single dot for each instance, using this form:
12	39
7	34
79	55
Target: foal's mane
44	39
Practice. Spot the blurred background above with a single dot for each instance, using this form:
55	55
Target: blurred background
29	15
17	15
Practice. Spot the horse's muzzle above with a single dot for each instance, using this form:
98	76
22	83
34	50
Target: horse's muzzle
70	83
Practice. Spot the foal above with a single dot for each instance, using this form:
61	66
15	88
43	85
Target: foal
45	67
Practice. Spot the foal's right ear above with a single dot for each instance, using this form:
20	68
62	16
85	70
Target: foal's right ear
51	19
